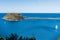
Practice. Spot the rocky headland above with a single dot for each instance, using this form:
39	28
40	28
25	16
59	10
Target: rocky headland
13	17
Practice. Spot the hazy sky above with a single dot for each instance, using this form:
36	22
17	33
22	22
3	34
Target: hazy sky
30	6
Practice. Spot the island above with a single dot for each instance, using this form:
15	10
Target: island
13	17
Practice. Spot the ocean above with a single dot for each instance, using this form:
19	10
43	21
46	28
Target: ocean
41	29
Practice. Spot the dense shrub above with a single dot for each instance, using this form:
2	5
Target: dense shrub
15	37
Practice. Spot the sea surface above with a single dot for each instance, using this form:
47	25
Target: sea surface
41	29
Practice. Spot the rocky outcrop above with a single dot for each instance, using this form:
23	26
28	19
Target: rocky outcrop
13	17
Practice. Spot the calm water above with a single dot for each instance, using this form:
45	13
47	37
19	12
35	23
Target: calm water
41	29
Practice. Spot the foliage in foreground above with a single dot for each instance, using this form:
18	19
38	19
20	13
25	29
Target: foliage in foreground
15	37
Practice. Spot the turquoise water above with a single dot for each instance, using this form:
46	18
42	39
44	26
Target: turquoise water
41	29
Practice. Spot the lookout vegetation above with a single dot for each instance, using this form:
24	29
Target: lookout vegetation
13	17
16	37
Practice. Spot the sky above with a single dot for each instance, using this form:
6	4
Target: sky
30	6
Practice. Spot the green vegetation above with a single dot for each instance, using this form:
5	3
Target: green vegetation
15	37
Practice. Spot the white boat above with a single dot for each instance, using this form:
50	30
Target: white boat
56	27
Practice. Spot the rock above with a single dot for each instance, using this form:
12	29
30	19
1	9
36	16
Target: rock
13	17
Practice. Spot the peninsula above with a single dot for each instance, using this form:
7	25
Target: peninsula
18	16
